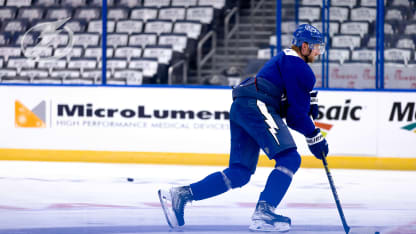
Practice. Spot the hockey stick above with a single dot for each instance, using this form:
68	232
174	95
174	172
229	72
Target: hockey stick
334	192
347	228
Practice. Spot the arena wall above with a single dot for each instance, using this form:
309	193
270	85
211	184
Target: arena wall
182	125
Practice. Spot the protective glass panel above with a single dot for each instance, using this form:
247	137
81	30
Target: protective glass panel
400	45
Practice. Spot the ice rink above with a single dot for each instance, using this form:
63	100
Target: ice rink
93	198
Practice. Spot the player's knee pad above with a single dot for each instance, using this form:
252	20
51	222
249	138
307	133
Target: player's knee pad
288	162
236	176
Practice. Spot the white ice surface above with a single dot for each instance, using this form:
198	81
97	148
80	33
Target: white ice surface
51	197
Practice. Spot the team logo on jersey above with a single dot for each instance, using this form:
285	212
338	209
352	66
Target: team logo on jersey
26	118
410	127
324	127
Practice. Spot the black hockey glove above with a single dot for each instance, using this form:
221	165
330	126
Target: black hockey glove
317	144
313	110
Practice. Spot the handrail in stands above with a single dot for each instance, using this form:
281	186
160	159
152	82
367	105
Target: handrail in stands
255	8
184	64
229	33
202	60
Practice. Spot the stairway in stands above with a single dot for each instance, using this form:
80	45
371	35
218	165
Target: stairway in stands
243	48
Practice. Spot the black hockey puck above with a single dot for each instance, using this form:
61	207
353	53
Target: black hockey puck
130	179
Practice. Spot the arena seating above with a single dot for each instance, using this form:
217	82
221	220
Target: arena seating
144	39
352	25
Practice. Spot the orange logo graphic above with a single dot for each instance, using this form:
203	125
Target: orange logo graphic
26	118
324	127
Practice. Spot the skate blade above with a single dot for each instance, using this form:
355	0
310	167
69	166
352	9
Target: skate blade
262	226
165	200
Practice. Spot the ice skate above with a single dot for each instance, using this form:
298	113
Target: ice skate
265	220
173	204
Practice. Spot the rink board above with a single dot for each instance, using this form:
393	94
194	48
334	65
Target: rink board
190	126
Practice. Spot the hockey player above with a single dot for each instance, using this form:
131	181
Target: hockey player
282	89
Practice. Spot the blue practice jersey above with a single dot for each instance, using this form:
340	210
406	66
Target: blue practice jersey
293	75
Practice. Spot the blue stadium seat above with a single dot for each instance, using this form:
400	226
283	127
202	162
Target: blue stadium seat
143	39
29	38
7	13
144	13
3	40
178	41
117	39
149	66
164	54
63	52
368	3
405	42
172	13
342	41
34	73
355	27
7	73
129	76
16	25
339	14
10	51
311	3
86	39
82	63
31	13
334	27
51	64
16	79
118	13
19	63
192	28
397	55
88	13
19	3
158	26
339	55
110	3
204	14
73	3
54	13
96	26
344	3
129	26
77	25
128	52
309	14
38	52
96	52
156	3
364	55
368	14
184	3
129	3
46	3
65	73
94	74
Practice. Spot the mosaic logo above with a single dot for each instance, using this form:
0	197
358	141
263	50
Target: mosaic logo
49	37
404	112
26	118
324	127
410	127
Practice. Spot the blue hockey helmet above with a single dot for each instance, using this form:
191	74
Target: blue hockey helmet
311	35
